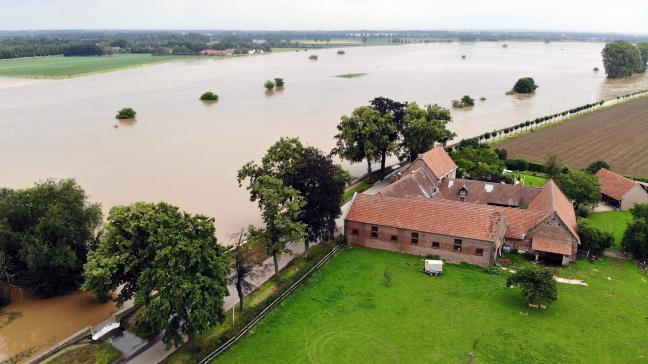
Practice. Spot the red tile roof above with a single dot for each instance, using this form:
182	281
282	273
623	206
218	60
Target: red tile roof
414	184
471	221
438	161
551	246
614	184
488	192
520	221
552	199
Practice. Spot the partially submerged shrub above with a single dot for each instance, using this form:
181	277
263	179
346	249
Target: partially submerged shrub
126	113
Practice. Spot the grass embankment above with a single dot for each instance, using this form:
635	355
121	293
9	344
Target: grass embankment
615	222
65	67
345	313
87	354
211	338
359	188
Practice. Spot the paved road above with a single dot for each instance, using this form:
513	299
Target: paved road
157	352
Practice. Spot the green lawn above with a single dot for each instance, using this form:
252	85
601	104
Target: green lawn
63	67
532	179
361	187
614	222
87	354
346	314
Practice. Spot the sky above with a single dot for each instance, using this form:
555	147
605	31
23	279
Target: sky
618	16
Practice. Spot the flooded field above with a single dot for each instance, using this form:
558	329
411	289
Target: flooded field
187	152
29	325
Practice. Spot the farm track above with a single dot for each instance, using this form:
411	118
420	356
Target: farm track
617	135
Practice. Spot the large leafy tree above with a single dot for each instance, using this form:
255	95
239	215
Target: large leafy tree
643	51
537	284
45	232
480	163
635	238
281	207
247	264
396	111
423	128
167	260
580	186
622	59
318	180
364	134
593	239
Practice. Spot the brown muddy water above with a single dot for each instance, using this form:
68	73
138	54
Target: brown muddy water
187	152
30	325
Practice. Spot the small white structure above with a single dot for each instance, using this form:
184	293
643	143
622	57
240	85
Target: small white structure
433	267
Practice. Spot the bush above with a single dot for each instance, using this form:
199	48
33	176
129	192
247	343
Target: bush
537	284
466	101
269	85
501	153
126	113
525	85
595	166
209	96
279	82
537	167
519	164
593	239
583	210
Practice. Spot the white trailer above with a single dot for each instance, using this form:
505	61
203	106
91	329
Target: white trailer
433	267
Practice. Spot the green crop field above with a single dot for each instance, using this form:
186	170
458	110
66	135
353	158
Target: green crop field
615	222
64	67
347	314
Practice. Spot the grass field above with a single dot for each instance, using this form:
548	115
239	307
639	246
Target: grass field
87	354
615	222
532	179
616	135
64	67
346	314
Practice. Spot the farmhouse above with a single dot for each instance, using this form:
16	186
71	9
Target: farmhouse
619	191
427	211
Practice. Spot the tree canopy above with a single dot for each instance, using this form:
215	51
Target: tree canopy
480	163
622	59
635	238
45	232
643	51
396	111
593	239
126	113
209	96
167	260
537	284
423	128
595	166
525	85
580	186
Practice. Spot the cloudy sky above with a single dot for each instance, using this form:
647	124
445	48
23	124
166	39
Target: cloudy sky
619	16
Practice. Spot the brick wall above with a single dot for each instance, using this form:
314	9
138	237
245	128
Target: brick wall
553	228
424	247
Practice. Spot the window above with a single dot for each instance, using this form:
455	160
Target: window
435	244
355	232
394	238
415	237
457	245
374	232
479	252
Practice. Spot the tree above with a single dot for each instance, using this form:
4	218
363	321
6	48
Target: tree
396	112
635	238
5	278
45	232
279	82
423	128
318	180
525	85
581	187
126	113
479	163
622	59
269	85
595	166
537	284
167	260
209	96
643	51
247	263
553	166
85	49
280	207
363	135
466	101
593	239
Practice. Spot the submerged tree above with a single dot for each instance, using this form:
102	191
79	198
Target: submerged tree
279	82
167	260
525	85
126	113
622	59
269	85
209	96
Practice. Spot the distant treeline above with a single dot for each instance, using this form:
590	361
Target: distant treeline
16	44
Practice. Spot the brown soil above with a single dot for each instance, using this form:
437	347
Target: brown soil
617	135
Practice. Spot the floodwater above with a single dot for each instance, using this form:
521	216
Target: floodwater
186	152
30	325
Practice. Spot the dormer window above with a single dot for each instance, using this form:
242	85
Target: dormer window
463	192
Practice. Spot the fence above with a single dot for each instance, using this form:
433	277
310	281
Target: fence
221	349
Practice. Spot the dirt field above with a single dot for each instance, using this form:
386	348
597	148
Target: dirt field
617	135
